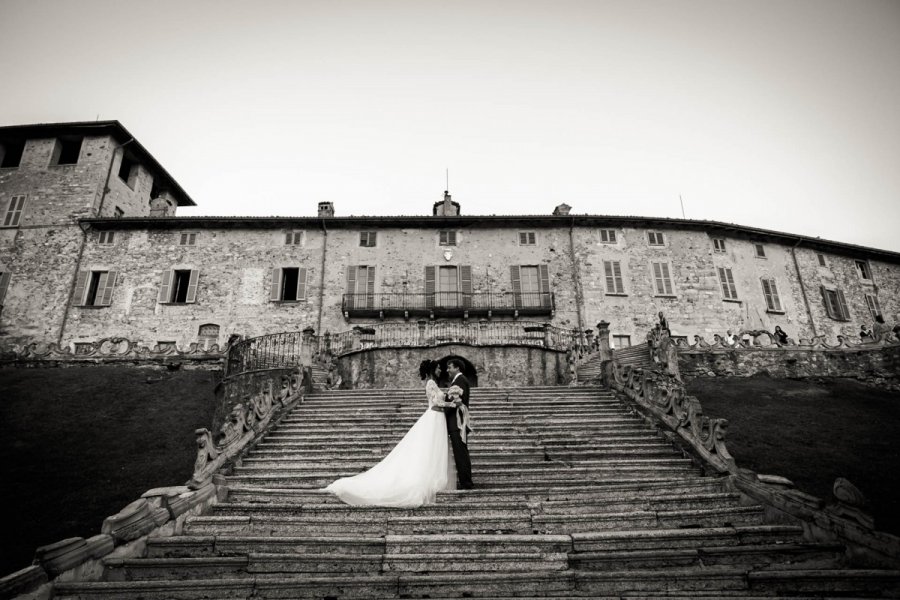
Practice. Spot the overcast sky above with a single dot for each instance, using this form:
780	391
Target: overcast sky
779	114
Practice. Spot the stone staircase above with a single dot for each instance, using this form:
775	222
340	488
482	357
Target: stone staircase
637	356
575	496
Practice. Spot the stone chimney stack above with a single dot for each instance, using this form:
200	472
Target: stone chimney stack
326	209
561	210
446	208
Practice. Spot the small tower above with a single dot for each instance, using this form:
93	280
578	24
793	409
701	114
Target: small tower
326	209
446	208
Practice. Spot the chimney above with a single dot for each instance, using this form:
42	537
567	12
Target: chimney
446	208
561	210
326	209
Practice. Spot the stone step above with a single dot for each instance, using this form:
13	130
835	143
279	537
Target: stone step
649	519
662	539
539	465
521	453
253	510
794	556
336	435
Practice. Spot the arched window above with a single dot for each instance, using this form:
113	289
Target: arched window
208	335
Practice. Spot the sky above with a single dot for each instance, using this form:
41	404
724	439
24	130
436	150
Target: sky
782	115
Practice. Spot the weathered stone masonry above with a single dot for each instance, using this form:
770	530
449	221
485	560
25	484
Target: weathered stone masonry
69	225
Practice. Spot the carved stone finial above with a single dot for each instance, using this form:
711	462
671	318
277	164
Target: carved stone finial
848	493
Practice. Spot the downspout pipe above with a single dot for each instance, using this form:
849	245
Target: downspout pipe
84	232
576	278
322	277
812	323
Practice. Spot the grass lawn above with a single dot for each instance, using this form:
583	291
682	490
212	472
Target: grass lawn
812	433
81	443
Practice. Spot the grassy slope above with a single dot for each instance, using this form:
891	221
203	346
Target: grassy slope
81	443
812	434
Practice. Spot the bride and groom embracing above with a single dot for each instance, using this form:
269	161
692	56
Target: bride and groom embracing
419	466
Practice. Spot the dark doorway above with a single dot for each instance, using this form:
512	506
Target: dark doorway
468	370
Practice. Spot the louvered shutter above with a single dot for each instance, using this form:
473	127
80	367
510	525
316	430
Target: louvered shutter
617	273
465	285
165	285
657	277
610	279
301	284
515	276
842	303
829	307
289	238
667	278
767	292
4	284
544	271
429	287
275	289
80	285
192	287
105	292
370	286
351	286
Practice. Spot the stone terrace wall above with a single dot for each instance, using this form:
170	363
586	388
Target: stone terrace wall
497	366
878	366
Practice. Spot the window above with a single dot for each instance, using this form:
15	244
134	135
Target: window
14	211
128	171
770	291
726	279
293	238
608	236
361	286
865	272
662	279
11	153
367	239
719	244
613	271
118	213
4	285
447	238
94	288
106	238
188	239
821	258
288	284
760	251
448	286
527	238
66	151
835	304
655	238
872	304
621	341
179	286
207	335
531	285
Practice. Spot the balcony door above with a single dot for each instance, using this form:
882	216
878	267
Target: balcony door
531	286
448	286
360	286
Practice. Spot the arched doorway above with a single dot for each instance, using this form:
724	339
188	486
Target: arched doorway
468	370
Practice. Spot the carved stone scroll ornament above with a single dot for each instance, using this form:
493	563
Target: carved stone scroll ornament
109	347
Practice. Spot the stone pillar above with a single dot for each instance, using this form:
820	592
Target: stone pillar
603	340
590	339
306	346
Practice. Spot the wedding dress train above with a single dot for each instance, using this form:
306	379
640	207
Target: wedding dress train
418	467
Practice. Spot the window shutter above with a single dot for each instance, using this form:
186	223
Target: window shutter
4	283
465	284
617	277
657	275
776	301
301	284
106	292
667	278
610	279
192	287
842	303
370	287
289	238
544	272
515	277
80	285
351	286
429	287
767	293
452	238
829	309
523	238
165	285
275	290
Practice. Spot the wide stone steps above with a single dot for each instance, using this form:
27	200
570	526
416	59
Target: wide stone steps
576	496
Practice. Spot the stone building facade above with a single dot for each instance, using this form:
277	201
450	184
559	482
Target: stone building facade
95	250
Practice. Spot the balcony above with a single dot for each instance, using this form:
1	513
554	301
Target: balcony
448	304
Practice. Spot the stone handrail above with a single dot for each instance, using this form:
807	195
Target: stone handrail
107	349
660	396
765	339
162	511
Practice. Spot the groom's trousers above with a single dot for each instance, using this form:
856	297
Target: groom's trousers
461	458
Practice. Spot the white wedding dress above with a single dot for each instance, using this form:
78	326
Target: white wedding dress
418	467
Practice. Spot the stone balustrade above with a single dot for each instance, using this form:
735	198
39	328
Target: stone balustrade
111	349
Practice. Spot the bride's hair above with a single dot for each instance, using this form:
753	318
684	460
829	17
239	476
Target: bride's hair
426	368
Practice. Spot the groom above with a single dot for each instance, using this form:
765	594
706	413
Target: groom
460	449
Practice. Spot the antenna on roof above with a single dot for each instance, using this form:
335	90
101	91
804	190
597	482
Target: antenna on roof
682	206
448	180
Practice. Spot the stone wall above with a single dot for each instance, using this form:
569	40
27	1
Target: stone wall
496	366
878	366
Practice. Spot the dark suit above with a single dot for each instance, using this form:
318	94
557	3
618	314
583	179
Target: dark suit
460	449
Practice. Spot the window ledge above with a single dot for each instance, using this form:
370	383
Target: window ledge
775	312
618	295
762	257
9	226
288	301
5	169
92	306
664	296
867	281
732	300
177	303
61	166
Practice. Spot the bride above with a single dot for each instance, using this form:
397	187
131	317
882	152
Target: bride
418	467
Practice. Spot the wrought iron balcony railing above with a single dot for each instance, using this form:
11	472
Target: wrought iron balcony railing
448	304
